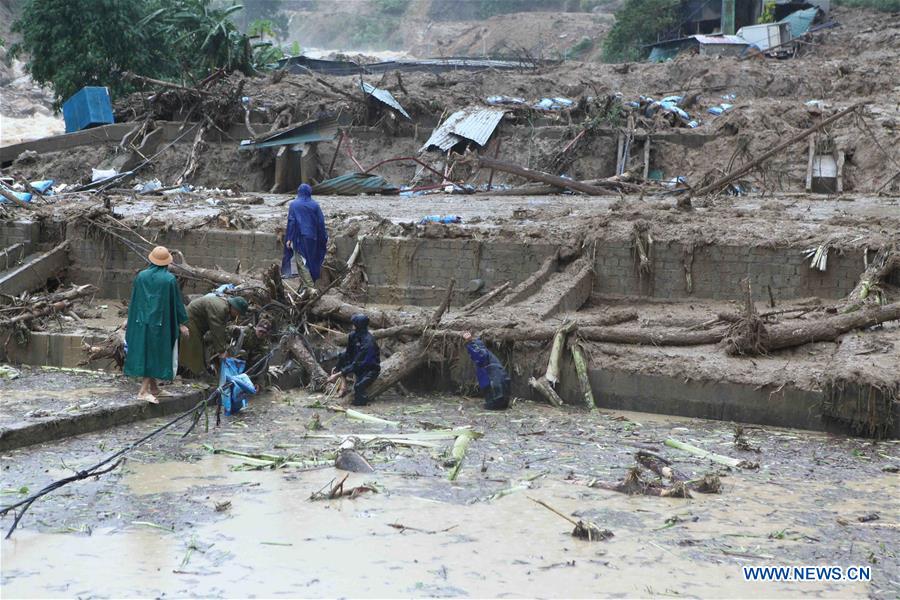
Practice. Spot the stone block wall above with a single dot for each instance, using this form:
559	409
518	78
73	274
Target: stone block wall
417	270
717	271
16	232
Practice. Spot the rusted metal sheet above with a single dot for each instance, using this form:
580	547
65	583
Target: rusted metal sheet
322	130
384	96
352	184
474	123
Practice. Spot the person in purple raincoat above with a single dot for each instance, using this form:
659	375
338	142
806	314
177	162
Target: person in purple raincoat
305	240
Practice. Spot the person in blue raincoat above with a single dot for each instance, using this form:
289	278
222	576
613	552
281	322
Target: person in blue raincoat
492	377
305	239
361	357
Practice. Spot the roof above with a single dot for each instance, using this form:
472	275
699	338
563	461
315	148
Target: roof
351	184
304	64
721	39
384	96
322	130
473	123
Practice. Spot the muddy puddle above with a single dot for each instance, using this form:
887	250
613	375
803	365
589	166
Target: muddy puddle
272	541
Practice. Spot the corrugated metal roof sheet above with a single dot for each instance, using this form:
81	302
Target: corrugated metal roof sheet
721	39
322	130
474	123
303	64
438	65
384	96
352	184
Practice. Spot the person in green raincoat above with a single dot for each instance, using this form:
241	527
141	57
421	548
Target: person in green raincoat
208	314
156	319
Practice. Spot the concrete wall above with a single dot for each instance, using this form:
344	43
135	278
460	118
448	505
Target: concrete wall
417	270
15	232
717	272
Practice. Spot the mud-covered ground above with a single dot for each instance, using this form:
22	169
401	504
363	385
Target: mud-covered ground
152	528
849	221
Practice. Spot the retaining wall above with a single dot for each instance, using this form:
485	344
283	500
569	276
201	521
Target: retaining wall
416	270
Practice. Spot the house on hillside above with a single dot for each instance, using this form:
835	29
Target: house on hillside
727	16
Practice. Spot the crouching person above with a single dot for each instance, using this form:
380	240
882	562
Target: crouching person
492	377
362	358
208	314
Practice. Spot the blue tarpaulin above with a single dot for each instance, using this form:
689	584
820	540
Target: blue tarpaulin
800	21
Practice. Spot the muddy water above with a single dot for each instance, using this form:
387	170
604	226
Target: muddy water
273	541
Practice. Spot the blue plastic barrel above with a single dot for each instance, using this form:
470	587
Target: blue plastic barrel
88	107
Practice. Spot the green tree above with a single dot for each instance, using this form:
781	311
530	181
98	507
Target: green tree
89	42
203	35
638	22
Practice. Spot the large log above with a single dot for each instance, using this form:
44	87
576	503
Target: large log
543	387
823	330
317	375
398	366
560	182
406	360
331	306
497	330
213	275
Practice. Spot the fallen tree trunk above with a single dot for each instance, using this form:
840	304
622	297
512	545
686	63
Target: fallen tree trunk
495	330
560	182
317	375
614	183
330	306
212	275
824	330
723	181
166	84
543	387
406	360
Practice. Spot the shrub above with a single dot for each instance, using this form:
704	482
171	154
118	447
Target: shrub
638	23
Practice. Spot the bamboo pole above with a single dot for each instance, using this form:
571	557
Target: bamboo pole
552	374
460	446
583	379
716	458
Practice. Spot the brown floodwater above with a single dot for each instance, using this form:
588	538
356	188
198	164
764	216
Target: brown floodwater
274	542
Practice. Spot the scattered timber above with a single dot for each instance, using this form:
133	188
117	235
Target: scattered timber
484	162
723	181
48	305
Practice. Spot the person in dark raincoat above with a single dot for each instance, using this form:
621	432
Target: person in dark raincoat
492	377
208	314
156	321
305	239
362	358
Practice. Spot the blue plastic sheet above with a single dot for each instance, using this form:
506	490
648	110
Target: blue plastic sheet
23	196
234	397
440	219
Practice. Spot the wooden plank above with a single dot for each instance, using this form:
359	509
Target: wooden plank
840	171
810	161
646	158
